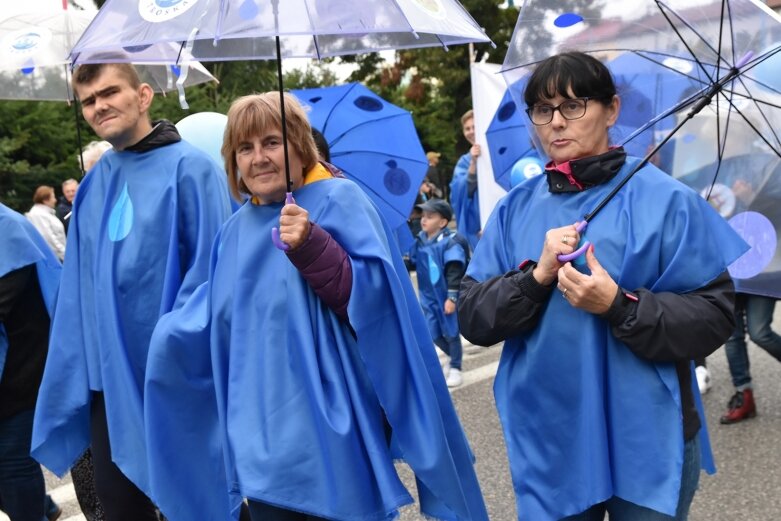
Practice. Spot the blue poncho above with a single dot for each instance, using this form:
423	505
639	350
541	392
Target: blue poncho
138	245
431	256
583	417
300	394
22	245
466	208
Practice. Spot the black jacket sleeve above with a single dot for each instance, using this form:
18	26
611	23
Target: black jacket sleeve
661	327
11	287
670	327
501	307
454	272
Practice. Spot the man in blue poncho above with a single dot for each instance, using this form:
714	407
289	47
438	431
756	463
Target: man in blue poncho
594	386
29	276
463	186
311	350
142	226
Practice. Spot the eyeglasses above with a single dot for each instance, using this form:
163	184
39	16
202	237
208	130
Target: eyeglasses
569	109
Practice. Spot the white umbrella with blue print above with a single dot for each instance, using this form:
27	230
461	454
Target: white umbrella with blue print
271	29
35	64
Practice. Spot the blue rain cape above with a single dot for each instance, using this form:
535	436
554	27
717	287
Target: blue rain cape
466	209
22	245
583	417
431	256
138	245
300	394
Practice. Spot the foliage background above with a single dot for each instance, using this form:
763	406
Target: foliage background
38	139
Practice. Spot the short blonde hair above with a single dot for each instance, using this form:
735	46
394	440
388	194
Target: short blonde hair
251	116
43	194
469	114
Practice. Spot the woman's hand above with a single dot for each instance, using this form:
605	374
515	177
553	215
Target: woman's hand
593	293
558	241
294	225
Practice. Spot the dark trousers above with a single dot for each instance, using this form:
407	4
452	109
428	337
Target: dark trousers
120	498
265	512
22	488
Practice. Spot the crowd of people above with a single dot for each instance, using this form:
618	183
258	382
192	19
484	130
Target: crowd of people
274	362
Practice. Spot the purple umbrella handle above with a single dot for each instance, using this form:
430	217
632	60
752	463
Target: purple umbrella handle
275	231
580	251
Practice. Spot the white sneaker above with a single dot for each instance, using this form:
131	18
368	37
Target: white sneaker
703	378
446	367
454	379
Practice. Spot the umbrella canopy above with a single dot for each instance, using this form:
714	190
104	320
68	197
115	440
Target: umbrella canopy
247	29
509	140
34	62
716	47
264	29
646	89
373	142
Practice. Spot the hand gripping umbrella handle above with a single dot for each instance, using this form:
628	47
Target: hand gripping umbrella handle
580	251
275	231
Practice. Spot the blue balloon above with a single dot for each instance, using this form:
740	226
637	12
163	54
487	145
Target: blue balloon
525	168
204	131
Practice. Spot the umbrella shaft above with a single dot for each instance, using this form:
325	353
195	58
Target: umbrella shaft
282	113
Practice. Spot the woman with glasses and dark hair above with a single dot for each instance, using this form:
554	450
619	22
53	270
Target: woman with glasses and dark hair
594	385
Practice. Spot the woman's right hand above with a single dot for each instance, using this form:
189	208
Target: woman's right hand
558	241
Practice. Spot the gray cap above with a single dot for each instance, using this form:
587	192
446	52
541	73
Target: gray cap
439	206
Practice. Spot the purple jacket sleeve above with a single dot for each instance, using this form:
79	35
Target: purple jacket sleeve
326	267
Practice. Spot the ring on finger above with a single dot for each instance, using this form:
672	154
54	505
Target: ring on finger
564	292
565	239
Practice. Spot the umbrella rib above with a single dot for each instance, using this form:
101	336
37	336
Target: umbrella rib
775	148
313	31
367	188
333	109
345	153
683	40
364	123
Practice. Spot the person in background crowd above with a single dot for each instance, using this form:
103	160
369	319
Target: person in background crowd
594	388
44	218
754	315
463	186
434	176
439	256
65	203
139	243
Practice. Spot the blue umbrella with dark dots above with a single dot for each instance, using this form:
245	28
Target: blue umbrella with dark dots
508	140
373	142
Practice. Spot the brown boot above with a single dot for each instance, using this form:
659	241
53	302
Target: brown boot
741	407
